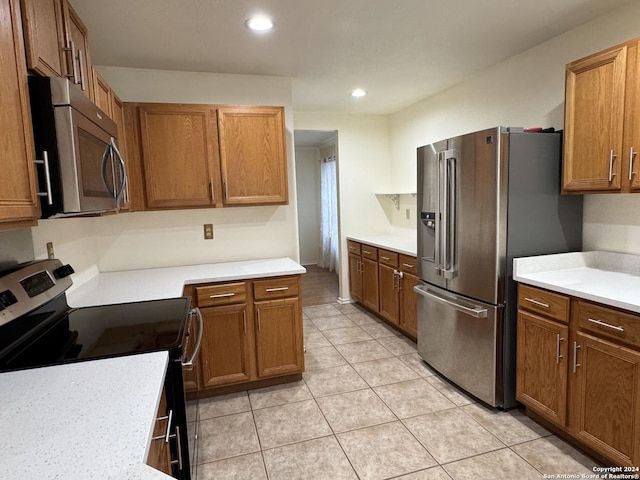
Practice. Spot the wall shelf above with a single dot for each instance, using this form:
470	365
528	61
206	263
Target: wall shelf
395	197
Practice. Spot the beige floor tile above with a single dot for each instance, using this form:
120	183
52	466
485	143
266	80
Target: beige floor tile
348	308
384	371
309	327
363	351
340	336
380	330
223	405
331	323
237	431
451	435
330	381
384	451
363	318
456	395
418	365
315	340
192	411
247	466
398	345
511	427
323	357
551	455
493	465
352	410
279	395
319	459
317	311
412	398
435	473
291	423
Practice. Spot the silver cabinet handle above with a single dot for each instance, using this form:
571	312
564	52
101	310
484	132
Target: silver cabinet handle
608	325
213	193
407	265
259	323
575	356
558	340
367	252
47	177
384	258
277	289
83	85
177	437
611	157
244	321
188	364
222	295
166	435
361	267
474	311
632	154
536	302
74	71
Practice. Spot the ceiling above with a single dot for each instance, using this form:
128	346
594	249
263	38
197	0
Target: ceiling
399	51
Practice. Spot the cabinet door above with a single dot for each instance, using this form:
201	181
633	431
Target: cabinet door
179	155
389	297
605	400
44	36
409	305
279	337
102	94
18	193
77	38
225	353
594	113
355	277
632	118
159	453
370	296
253	158
541	381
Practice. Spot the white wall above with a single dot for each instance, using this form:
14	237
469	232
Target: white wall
308	186
363	151
525	90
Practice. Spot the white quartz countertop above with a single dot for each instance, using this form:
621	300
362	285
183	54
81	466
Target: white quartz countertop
605	277
81	421
402	243
168	282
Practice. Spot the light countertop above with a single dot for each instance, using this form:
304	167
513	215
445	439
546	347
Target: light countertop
406	243
77	421
605	277
168	282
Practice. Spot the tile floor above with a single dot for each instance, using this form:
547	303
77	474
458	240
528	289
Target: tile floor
368	408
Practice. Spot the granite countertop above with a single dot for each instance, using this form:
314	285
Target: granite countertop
406	243
79	420
168	282
605	277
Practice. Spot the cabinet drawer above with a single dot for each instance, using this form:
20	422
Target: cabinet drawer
388	258
609	323
223	294
409	264
353	247
370	252
277	287
542	302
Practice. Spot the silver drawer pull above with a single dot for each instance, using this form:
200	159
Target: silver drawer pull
367	252
179	448
277	289
166	436
222	295
558	340
535	302
575	356
384	258
608	325
407	265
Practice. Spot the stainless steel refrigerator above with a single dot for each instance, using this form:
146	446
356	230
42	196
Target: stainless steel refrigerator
485	198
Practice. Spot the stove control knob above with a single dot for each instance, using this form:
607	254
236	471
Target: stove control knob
63	271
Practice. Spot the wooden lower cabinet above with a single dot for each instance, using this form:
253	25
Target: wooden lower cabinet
279	337
225	352
159	452
370	288
409	305
389	298
355	277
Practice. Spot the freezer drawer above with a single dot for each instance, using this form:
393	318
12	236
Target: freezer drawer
461	339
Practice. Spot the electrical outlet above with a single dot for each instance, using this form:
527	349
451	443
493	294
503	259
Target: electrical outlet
208	231
50	253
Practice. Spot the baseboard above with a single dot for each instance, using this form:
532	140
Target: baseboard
345	301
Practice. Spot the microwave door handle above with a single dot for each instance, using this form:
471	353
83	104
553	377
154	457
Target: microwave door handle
103	169
123	172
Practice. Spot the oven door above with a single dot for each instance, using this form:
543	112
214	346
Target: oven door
92	173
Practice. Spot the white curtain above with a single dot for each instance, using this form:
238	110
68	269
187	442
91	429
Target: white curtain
328	214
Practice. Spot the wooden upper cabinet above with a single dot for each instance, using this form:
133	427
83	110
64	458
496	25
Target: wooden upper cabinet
77	43
631	145
102	94
18	191
44	36
179	155
252	155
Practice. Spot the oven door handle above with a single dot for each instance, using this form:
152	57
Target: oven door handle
188	364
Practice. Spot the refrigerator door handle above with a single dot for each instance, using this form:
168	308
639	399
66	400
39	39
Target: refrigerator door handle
438	220
450	225
470	309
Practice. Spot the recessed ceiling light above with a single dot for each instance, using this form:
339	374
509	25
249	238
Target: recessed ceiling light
358	92
259	23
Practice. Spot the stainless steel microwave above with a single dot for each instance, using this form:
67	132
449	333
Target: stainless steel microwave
80	169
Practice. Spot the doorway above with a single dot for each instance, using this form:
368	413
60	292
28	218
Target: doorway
318	227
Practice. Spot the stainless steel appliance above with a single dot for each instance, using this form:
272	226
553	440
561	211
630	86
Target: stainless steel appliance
485	198
80	167
38	328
